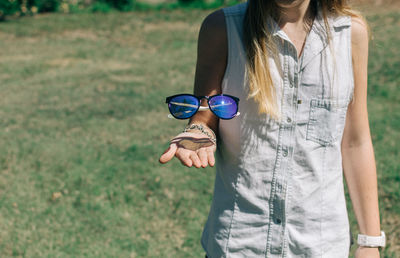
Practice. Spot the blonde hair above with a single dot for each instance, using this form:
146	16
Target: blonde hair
259	46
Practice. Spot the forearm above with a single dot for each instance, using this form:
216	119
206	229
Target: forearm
360	173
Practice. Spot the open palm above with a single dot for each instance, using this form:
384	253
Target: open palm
192	149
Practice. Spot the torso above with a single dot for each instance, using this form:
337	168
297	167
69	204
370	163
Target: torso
278	188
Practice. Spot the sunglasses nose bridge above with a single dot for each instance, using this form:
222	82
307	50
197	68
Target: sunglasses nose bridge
204	97
201	98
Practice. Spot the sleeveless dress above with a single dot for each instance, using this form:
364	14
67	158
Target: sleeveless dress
279	184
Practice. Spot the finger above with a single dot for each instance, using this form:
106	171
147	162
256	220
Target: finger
211	158
183	156
168	154
203	157
195	159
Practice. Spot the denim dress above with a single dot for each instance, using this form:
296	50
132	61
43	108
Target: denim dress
279	183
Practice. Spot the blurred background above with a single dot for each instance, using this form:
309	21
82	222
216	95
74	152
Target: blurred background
83	123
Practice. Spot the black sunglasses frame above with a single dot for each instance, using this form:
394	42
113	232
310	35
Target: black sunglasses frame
236	99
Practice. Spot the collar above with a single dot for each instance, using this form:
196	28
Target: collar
318	40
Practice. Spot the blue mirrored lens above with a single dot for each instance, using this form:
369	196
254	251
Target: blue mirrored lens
183	106
223	106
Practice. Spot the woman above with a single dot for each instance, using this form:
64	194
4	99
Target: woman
299	68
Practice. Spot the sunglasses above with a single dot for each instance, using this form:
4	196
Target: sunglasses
183	106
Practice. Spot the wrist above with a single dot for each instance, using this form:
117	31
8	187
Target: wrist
371	252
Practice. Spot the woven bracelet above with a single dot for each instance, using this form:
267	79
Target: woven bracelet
200	127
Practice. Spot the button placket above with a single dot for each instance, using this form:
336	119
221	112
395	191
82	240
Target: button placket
289	108
276	235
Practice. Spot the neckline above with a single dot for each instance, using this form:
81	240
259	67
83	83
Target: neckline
305	43
277	31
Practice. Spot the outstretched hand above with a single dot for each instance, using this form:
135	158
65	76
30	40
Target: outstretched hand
192	149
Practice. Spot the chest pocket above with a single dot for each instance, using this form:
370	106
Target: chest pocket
326	121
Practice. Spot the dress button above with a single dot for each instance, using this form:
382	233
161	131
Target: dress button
278	221
285	153
289	120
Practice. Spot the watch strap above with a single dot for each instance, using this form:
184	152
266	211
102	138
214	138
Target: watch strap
372	241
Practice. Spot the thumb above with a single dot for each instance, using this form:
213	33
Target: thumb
168	154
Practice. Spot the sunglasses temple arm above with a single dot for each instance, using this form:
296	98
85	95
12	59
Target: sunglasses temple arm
237	114
201	108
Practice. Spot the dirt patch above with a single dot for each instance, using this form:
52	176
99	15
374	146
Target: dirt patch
16	58
115	66
178	25
127	78
80	34
106	65
64	62
6	36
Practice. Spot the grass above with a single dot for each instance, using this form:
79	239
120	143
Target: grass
84	121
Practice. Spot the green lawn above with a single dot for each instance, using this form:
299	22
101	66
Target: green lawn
84	121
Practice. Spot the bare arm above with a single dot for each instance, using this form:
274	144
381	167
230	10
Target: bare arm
357	150
211	64
210	69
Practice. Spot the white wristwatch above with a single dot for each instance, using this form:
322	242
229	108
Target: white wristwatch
372	241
